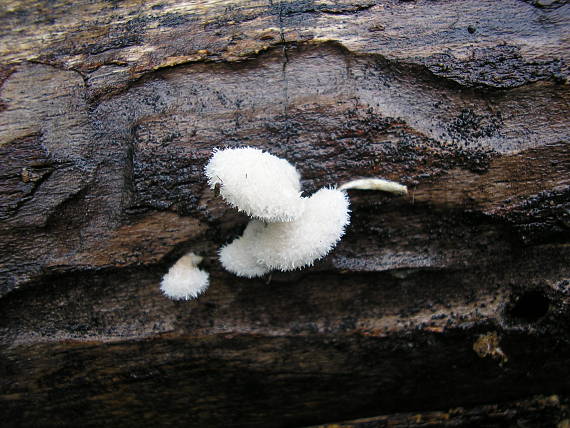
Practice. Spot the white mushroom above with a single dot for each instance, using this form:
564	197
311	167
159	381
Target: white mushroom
292	245
184	280
238	257
257	183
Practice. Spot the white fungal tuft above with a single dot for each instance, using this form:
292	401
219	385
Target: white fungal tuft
184	280
292	245
257	183
376	184
238	257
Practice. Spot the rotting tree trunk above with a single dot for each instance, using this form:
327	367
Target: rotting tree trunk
458	295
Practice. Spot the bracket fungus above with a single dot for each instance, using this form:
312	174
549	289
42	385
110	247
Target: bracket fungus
184	280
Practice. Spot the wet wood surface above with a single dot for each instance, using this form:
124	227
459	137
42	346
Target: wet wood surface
456	295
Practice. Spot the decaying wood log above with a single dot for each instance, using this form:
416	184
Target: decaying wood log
457	295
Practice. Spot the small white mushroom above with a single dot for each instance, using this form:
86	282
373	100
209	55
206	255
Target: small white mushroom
238	257
184	280
257	183
376	184
288	246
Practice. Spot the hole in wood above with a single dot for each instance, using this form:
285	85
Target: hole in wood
530	306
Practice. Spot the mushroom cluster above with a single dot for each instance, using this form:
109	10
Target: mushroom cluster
287	231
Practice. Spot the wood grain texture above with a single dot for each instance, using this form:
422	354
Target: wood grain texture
108	113
537	411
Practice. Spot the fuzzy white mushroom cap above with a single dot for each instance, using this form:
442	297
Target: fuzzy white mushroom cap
238	257
289	246
184	280
257	183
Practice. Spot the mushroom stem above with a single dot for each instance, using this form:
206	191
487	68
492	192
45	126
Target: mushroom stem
376	184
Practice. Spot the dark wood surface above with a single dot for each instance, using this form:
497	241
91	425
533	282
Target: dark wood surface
457	295
536	411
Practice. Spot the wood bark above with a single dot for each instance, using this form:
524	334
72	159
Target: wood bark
455	296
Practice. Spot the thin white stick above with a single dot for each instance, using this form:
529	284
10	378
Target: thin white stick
376	184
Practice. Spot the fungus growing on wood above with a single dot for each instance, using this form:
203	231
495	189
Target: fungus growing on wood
184	280
287	231
376	184
257	183
239	256
293	245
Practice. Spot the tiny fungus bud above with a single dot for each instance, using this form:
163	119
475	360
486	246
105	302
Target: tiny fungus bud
184	280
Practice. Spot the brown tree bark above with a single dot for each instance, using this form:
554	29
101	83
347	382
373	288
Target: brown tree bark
455	296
